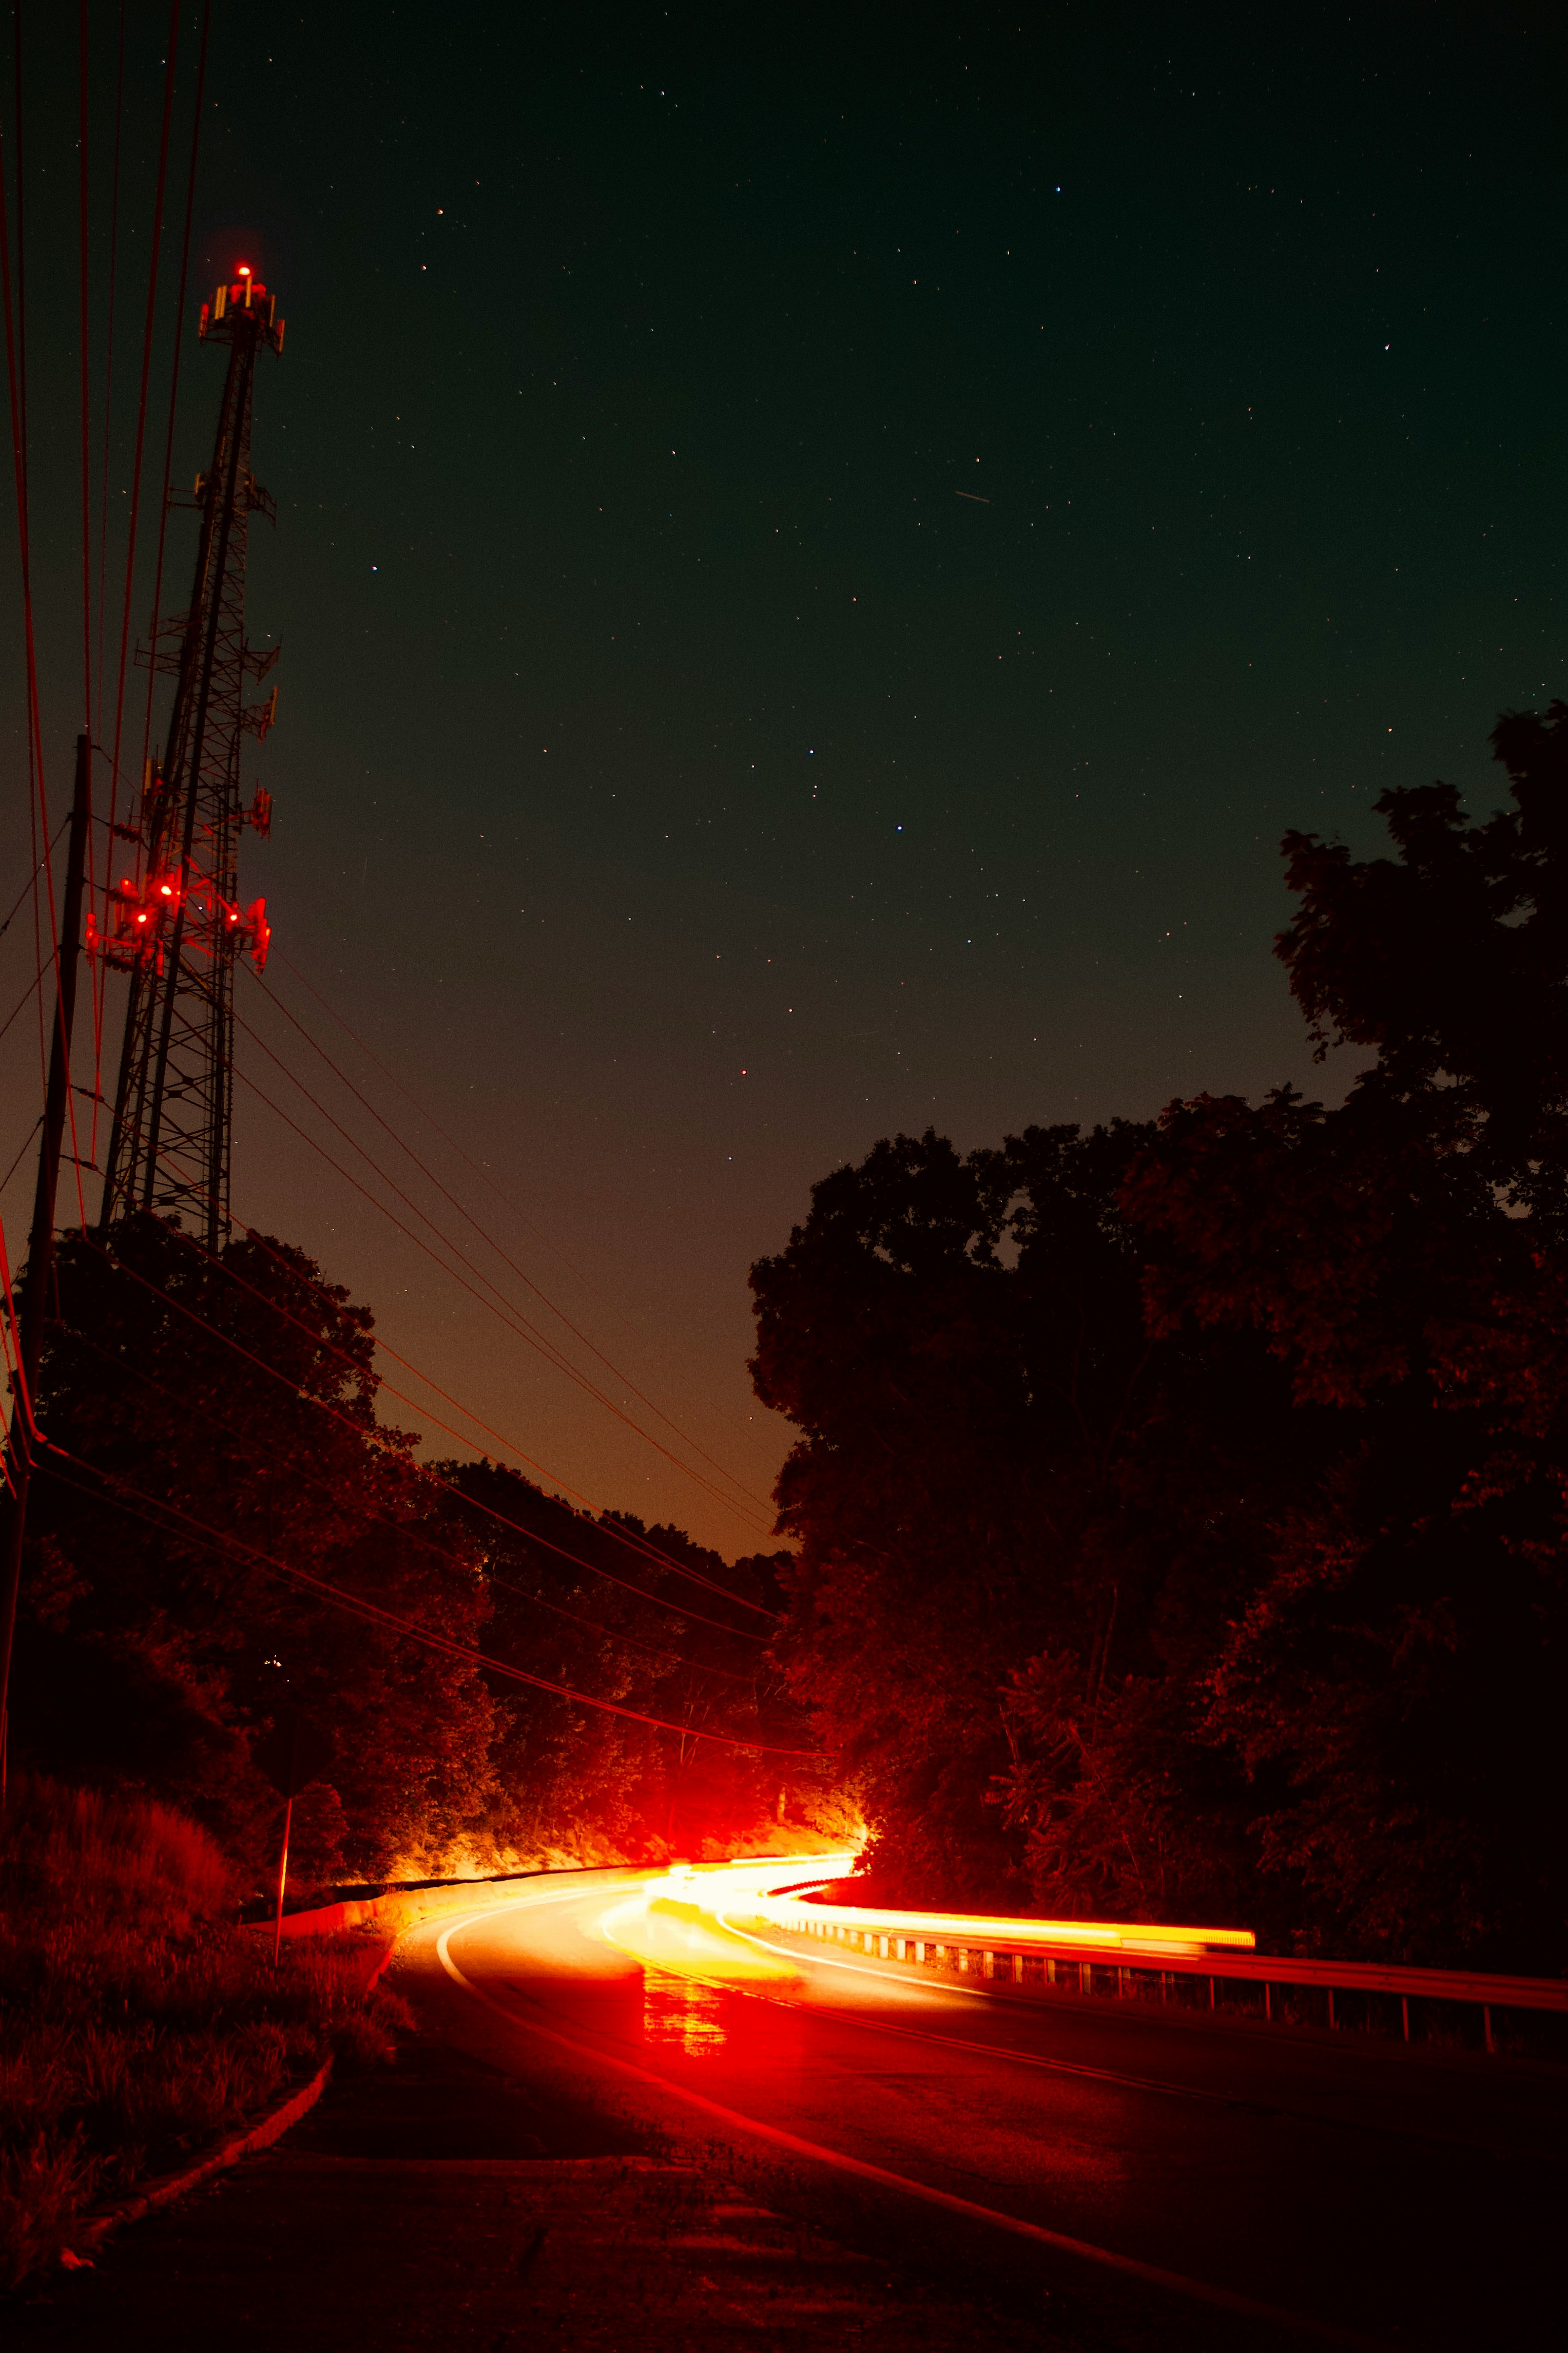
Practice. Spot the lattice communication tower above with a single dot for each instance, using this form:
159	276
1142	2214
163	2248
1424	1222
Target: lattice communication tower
177	925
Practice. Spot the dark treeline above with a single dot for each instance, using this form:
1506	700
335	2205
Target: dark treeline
1181	1506
213	1446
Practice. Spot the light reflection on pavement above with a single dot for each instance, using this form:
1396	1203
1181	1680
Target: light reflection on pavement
1350	2186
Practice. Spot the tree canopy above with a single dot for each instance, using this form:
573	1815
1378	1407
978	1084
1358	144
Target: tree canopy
223	1534
1181	1506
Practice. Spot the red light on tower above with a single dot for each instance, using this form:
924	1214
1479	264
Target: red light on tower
169	1145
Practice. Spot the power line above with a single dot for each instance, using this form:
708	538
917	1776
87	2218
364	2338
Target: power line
16	378
630	1642
26	994
174	363
408	1535
172	47
373	1430
641	1546
486	1236
505	1313
108	370
85	378
24	1143
143	1506
31	882
431	1121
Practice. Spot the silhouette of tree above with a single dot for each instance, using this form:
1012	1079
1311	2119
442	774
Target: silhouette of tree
989	1446
1403	1258
155	1654
1181	1511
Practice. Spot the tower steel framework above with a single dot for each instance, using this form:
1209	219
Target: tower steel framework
177	927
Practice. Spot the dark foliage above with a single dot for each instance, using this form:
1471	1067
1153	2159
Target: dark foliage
213	1448
1181	1510
986	1596
560	1588
179	1396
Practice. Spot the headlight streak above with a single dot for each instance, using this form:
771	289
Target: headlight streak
796	2146
784	1906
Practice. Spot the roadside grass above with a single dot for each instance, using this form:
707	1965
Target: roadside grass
137	2020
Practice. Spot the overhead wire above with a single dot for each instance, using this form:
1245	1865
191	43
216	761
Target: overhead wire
642	1547
10	1348
43	865
503	1255
26	994
450	1141
407	1534
147	340
82	155
95	978
15	306
99	970
137	466
27	886
145	1506
521	1327
506	1311
424	1470
22	1148
17	376
18	1371
175	370
17	367
108	373
629	1641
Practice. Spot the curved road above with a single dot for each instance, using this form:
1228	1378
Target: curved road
1131	2176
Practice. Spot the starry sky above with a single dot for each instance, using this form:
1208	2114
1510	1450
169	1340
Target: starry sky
818	552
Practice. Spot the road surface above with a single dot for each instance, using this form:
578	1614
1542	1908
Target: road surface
1130	2176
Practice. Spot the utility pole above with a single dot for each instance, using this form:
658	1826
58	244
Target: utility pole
35	1285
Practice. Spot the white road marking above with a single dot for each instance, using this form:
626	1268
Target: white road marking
1176	2282
958	2041
1428	2134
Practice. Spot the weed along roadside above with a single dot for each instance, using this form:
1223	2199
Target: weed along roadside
141	2028
447	2199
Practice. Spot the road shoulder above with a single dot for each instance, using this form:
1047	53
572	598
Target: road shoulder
443	2200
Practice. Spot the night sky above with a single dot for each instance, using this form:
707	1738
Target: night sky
819	554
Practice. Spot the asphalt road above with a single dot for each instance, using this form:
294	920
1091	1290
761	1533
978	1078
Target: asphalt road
1123	2176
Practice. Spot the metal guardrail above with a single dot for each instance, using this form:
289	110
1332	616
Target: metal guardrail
1069	1954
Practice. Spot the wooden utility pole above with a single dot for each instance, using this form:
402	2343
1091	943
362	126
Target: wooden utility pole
35	1285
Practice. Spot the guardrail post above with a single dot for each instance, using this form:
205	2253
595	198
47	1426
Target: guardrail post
1373	1982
